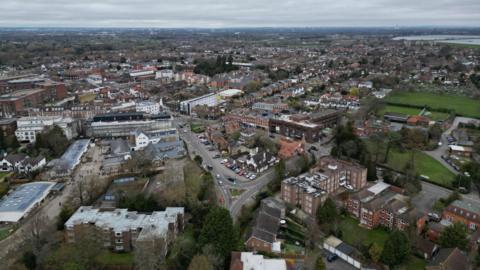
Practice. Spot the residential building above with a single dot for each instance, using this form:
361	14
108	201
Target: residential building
263	236
8	126
449	259
120	229
465	212
307	191
260	161
289	148
350	174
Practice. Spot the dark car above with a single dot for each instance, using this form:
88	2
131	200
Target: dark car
313	148
231	179
332	257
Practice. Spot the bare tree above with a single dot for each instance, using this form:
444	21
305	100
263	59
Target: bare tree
149	254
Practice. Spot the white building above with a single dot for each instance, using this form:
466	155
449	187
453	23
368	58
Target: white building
164	74
147	107
29	127
210	100
250	261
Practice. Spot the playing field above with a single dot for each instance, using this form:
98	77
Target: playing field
460	104
435	116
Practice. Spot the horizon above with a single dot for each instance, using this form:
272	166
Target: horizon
240	14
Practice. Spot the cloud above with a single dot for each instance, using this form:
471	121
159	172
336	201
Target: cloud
238	13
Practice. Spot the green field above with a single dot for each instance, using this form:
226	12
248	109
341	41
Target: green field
424	164
460	104
354	235
436	116
4	232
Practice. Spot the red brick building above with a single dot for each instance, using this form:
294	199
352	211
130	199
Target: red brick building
461	211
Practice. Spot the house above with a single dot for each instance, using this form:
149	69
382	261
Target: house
449	259
11	162
418	120
251	261
259	161
289	148
465	212
263	235
426	248
434	231
140	140
32	164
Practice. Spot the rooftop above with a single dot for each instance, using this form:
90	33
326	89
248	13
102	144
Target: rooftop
18	203
121	220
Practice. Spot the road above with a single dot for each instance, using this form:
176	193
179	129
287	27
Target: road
250	187
441	150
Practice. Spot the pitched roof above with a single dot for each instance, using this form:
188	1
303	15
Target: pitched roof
450	259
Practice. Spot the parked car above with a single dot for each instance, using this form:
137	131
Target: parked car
332	257
217	156
252	177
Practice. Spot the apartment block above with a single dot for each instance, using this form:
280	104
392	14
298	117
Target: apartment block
120	229
465	212
29	127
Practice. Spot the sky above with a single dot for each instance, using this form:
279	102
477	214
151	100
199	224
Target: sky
238	13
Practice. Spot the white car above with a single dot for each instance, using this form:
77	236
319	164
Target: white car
253	176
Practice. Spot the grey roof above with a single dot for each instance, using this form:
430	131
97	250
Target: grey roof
14	158
345	248
119	146
16	204
71	157
164	150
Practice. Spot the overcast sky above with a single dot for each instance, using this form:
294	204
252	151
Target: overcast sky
238	13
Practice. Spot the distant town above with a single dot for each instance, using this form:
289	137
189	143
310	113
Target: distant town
240	149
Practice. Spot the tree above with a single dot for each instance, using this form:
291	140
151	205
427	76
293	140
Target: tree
64	215
218	231
320	264
455	235
149	254
198	159
396	249
29	259
327	213
375	252
275	183
200	262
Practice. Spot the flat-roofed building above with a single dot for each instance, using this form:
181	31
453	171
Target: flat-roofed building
120	230
22	200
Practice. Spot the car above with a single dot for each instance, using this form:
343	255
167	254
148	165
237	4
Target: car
231	179
218	175
252	177
314	148
237	170
220	182
209	167
271	136
332	257
216	156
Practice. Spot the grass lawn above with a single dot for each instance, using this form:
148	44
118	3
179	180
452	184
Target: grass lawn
461	104
400	109
115	259
236	192
413	262
4	232
354	235
197	128
192	175
424	164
